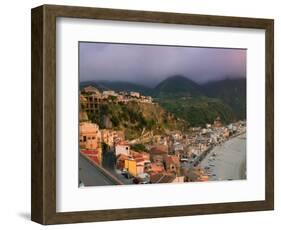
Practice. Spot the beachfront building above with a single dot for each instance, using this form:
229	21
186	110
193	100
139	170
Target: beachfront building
196	174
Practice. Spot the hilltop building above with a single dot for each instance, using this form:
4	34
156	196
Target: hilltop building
108	93
91	99
135	94
90	90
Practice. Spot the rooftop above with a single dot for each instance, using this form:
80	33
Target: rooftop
159	149
162	178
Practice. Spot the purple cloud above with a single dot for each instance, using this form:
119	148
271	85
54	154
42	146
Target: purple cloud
150	64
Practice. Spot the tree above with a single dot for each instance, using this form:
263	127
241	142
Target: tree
139	148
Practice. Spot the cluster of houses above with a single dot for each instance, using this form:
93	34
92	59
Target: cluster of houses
155	166
169	158
91	98
158	165
92	137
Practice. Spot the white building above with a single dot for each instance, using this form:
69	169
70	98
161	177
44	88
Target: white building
109	93
135	94
122	148
177	146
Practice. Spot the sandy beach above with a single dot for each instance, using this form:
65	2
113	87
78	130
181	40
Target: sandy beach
227	161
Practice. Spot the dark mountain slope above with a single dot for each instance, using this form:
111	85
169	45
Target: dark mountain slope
178	86
230	91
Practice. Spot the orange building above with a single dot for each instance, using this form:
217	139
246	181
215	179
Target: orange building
90	137
172	164
158	154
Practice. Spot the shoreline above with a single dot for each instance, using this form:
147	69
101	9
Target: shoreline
229	163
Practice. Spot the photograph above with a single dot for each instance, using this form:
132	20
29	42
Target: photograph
152	114
159	102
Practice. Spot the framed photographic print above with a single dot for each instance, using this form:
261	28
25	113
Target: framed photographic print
140	114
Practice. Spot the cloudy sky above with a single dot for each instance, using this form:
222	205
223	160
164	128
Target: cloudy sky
150	64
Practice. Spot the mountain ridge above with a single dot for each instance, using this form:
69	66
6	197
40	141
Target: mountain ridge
178	84
196	103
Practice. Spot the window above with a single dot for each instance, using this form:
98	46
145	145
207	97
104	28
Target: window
84	138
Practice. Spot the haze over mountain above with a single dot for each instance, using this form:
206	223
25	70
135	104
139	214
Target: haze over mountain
149	65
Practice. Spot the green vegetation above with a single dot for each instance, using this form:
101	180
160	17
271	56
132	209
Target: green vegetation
136	118
182	103
178	86
198	111
232	92
198	104
139	148
105	147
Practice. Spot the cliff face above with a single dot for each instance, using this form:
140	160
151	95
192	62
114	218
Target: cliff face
137	118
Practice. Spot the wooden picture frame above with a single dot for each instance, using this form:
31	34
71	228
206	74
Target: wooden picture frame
43	205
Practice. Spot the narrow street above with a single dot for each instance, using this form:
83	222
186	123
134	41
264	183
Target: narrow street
108	163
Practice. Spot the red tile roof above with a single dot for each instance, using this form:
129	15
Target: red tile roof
91	154
89	151
160	149
95	159
172	160
155	168
162	178
122	143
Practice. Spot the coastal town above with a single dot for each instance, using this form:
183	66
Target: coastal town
174	156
